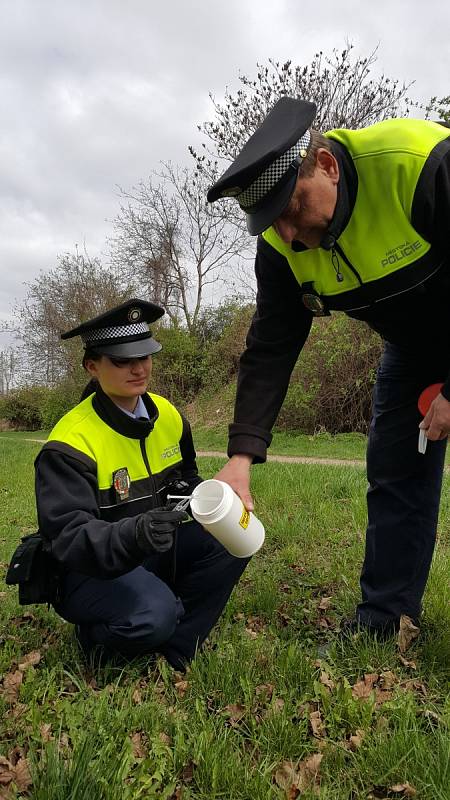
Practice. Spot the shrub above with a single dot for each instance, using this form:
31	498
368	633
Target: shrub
22	408
331	386
221	359
177	372
57	401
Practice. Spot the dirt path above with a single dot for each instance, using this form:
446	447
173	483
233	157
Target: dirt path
329	462
332	462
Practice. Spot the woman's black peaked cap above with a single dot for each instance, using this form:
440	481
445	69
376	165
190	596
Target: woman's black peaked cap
121	332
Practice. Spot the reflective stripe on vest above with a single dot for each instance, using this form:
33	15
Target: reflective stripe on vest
379	238
82	429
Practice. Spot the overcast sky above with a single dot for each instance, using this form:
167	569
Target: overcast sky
95	93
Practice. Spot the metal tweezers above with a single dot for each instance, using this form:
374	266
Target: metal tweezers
184	501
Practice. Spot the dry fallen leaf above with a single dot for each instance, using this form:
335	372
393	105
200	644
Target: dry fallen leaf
276	706
264	689
181	687
234	712
403	788
285	776
412	685
316	722
22	778
136	697
431	716
355	741
326	681
138	746
406	663
17	774
387	680
407	633
309	770
30	660
11	685
46	731
325	603
363	689
6	771
382	696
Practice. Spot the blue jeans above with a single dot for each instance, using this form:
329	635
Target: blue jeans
404	490
164	606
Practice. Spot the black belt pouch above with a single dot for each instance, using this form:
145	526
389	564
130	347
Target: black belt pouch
34	571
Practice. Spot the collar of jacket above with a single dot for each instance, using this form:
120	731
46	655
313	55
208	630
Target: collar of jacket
346	197
122	423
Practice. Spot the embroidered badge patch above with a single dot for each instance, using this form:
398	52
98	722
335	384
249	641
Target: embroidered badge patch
121	483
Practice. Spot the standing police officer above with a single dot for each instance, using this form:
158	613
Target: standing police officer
354	221
132	579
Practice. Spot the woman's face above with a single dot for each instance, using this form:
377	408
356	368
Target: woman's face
123	380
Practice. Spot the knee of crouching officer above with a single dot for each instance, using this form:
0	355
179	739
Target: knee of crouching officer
162	620
150	626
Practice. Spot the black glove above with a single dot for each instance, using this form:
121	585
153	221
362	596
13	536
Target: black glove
156	528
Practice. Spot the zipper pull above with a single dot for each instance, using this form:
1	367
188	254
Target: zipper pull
335	262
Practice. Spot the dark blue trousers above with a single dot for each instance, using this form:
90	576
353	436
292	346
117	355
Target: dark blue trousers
404	489
168	605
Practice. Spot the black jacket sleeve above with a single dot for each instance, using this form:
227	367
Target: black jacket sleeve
68	515
278	331
431	208
430	213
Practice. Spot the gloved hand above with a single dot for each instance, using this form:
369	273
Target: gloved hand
156	528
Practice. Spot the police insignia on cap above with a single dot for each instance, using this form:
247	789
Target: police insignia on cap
233	192
121	483
134	314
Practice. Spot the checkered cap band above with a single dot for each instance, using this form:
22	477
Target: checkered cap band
264	183
118	332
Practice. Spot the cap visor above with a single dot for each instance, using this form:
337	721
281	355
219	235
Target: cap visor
143	347
274	205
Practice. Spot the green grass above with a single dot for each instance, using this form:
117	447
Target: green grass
321	445
138	732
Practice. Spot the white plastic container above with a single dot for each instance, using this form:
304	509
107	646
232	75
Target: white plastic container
218	508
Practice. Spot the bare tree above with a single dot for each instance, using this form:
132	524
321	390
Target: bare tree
75	290
170	240
8	369
341	85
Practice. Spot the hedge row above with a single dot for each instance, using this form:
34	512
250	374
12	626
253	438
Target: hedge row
330	388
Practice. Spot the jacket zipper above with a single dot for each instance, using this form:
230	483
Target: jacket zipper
150	474
335	261
339	277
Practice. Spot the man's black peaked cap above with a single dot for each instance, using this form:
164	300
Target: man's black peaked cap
263	176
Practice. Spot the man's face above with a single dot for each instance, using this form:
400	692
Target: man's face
311	207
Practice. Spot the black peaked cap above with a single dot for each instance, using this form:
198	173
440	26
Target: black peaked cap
284	125
123	331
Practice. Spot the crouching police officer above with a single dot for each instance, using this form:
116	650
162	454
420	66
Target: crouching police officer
135	576
354	221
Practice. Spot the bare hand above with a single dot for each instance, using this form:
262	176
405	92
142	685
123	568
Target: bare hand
237	474
436	422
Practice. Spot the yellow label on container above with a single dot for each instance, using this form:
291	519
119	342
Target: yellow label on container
245	518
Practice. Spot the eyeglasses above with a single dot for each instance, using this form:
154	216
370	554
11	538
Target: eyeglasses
127	362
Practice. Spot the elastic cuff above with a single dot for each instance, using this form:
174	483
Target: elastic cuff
251	446
445	391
